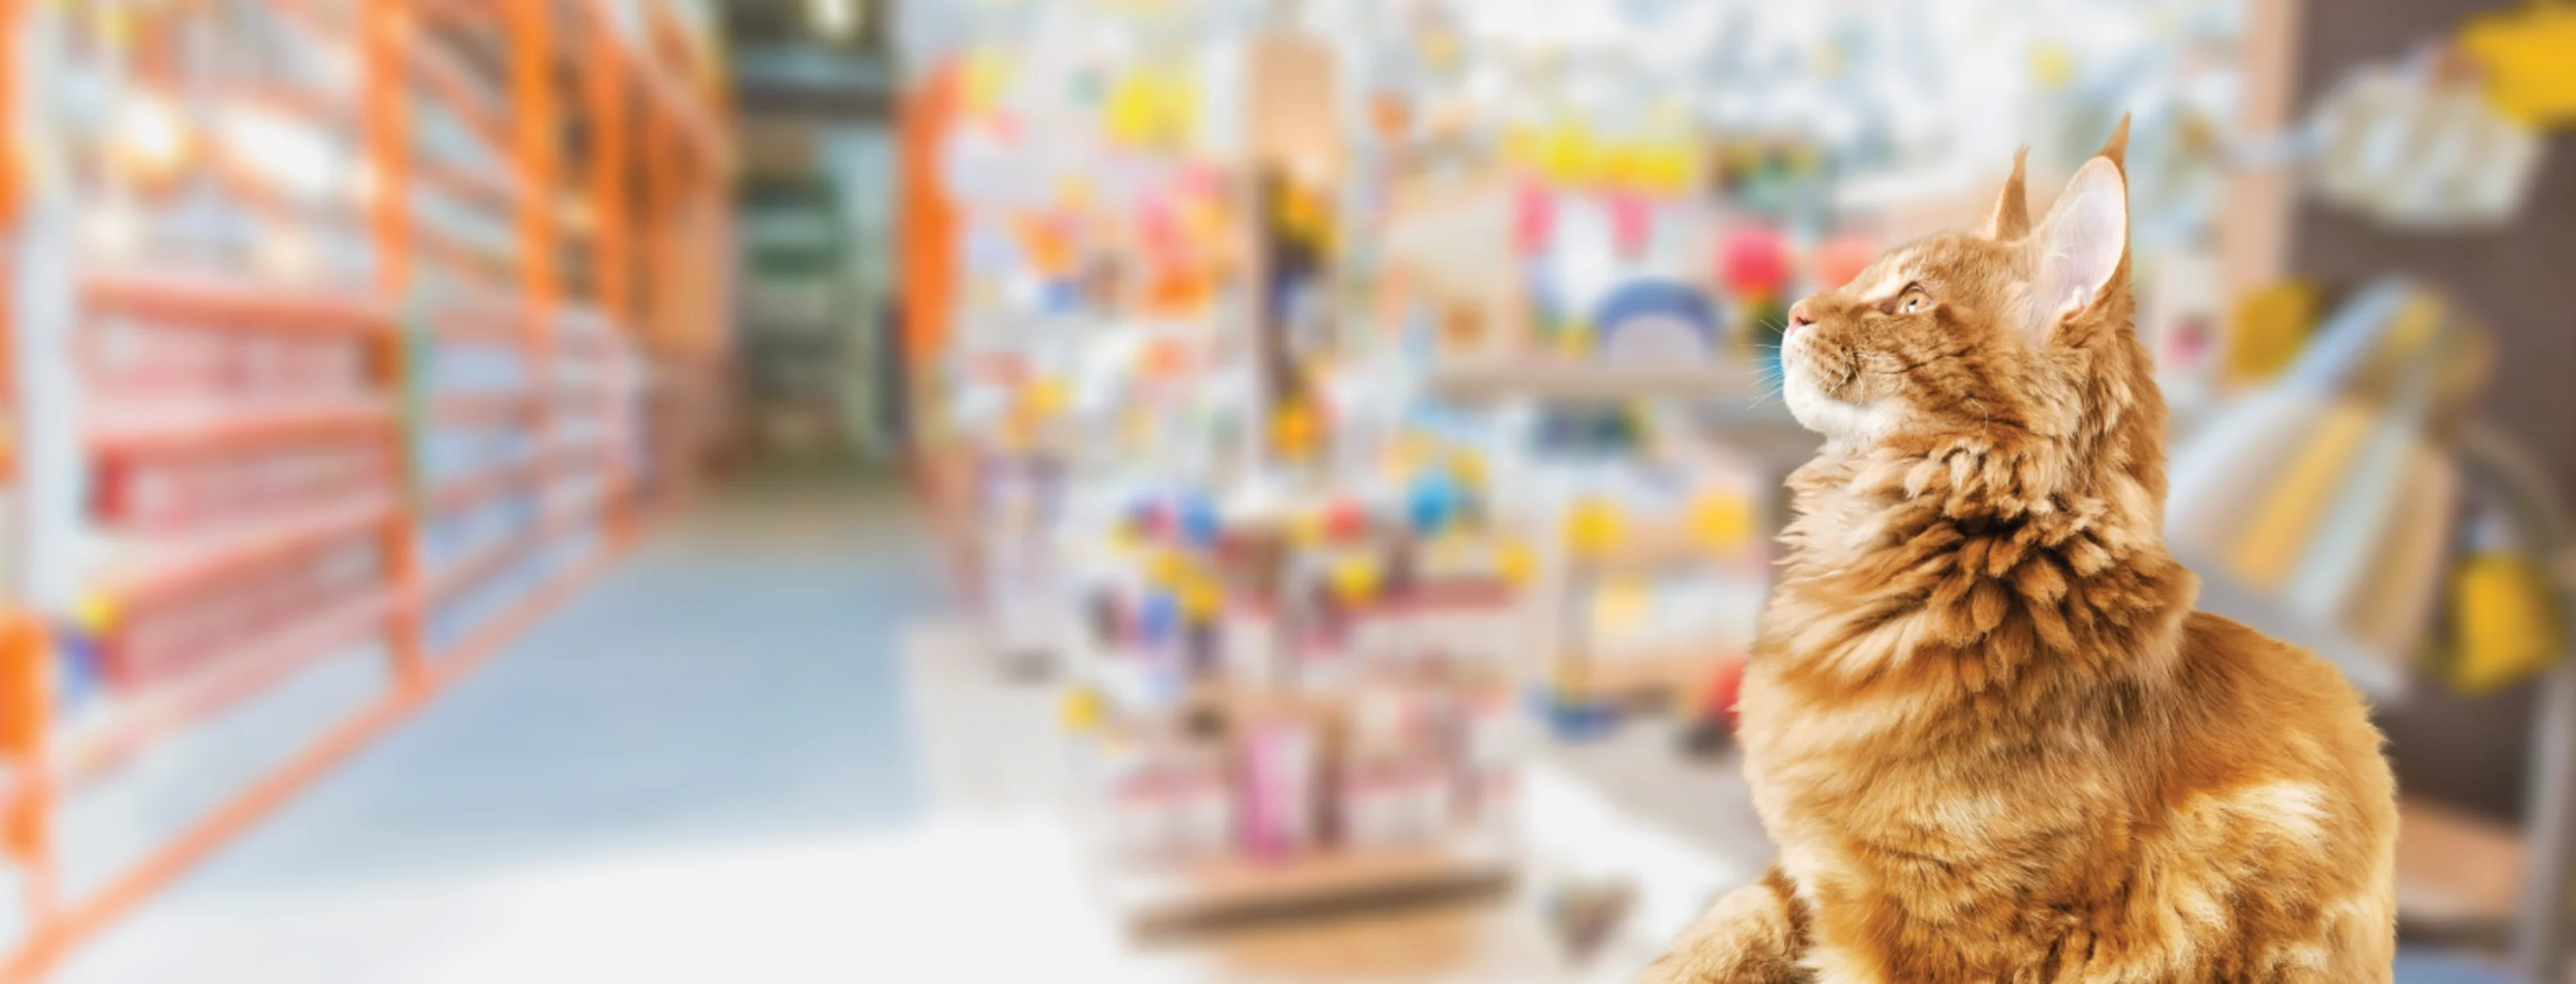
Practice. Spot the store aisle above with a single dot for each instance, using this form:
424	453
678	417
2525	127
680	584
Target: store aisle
733	684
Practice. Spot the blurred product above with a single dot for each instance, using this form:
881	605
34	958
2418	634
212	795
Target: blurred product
2504	620
2418	146
2522	54
2270	328
2352	492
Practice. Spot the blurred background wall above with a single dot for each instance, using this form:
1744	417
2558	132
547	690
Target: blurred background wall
2466	750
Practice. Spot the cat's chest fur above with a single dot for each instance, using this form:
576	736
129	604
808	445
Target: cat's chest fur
1868	803
1909	724
1926	799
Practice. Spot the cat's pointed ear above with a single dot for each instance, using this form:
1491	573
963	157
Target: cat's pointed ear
2117	148
2010	218
2083	244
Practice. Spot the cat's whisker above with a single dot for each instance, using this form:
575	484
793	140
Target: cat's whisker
1767	391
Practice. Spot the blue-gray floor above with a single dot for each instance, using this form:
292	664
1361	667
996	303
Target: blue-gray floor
736	679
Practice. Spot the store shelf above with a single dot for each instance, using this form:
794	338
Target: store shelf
221	557
562	518
484	186
91	747
230	303
303	103
475	104
262	193
1658	547
488	560
485	262
513	621
1184	894
482	317
487	408
585	323
217	430
460	493
1560	380
476	566
665	89
1645	677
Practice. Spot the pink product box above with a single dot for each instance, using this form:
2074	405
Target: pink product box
1281	777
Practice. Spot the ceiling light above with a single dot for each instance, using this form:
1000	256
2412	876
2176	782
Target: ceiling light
834	19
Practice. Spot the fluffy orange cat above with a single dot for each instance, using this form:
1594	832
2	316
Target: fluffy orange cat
1992	739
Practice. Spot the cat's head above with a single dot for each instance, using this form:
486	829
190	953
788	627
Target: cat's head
2015	336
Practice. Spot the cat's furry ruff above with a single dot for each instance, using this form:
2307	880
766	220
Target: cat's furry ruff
1983	723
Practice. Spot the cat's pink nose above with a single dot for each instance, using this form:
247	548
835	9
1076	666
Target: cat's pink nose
1798	316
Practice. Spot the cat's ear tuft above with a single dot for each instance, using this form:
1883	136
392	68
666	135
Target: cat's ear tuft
2083	244
2117	148
2010	218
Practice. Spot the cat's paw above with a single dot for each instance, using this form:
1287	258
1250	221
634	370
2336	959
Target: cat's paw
1749	937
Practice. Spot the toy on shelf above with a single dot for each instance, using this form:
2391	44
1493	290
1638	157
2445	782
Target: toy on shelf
1653	320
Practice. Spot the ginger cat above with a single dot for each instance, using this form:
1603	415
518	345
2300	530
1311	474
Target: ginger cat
1983	723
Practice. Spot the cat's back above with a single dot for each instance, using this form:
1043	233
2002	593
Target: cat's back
2250	705
2279	810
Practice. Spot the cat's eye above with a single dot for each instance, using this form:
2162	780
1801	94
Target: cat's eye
1912	303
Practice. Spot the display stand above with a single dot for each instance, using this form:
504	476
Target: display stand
1270	726
1202	893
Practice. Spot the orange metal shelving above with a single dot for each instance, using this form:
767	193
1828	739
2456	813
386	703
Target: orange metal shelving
230	302
487	408
247	668
200	563
642	200
197	430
